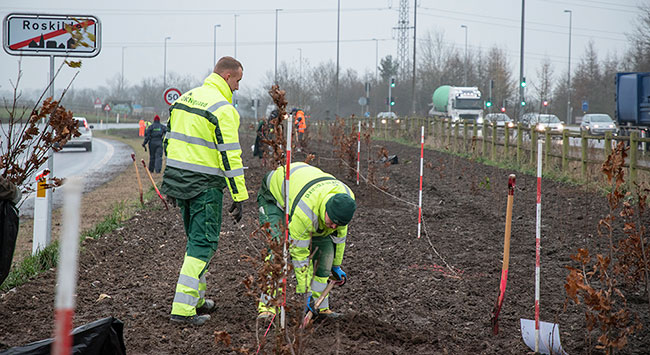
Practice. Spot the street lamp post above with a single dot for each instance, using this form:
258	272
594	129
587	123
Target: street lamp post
275	75
122	76
465	66
376	59
165	65
236	35
214	46
568	82
299	75
338	35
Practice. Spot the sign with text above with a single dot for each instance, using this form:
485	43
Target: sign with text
46	35
170	95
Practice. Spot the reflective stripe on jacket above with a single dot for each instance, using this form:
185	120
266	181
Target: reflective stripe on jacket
203	135
308	219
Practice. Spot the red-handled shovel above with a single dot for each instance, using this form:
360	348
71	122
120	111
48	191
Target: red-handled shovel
137	173
506	256
154	184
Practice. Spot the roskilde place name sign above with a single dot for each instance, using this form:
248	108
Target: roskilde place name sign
45	35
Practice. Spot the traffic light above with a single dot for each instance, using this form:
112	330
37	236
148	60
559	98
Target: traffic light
523	82
236	103
503	109
523	103
392	82
392	101
545	103
488	103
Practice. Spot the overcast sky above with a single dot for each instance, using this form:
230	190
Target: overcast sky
309	27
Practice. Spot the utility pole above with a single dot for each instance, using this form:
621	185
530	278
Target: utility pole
466	61
338	36
568	82
165	65
214	47
520	108
275	75
236	36
415	19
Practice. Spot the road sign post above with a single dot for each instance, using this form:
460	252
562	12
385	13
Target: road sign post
47	35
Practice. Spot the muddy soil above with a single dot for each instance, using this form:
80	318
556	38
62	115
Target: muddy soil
405	295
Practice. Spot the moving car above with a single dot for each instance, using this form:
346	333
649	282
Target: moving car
85	140
392	115
598	124
542	120
501	120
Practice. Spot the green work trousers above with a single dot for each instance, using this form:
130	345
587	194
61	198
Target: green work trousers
202	222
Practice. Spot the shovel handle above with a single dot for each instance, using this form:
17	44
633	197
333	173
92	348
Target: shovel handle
318	302
506	256
137	173
154	184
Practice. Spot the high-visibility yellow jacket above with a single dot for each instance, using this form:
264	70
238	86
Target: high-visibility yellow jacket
307	215
203	135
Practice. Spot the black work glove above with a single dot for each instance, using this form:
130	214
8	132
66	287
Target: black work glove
236	207
144	146
172	201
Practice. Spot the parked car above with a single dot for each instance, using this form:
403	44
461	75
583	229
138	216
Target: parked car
598	124
501	120
542	120
85	140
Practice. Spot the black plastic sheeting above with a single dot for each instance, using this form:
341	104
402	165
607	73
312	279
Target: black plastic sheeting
101	337
8	235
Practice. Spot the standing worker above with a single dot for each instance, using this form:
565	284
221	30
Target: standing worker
203	157
320	209
300	124
142	128
154	136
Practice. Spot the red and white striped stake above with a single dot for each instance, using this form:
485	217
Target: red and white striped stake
538	226
67	271
358	150
286	224
420	196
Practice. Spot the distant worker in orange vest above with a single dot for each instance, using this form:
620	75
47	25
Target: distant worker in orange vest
142	127
299	116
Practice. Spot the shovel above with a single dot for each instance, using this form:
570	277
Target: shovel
137	173
154	184
320	299
506	256
542	337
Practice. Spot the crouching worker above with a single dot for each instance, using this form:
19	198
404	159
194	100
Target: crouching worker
320	208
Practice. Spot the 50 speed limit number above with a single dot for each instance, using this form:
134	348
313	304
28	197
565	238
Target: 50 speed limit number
171	95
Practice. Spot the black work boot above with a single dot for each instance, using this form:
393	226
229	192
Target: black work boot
192	320
208	306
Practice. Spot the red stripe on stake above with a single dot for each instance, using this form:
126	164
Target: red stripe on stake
67	270
506	256
49	35
286	223
538	242
358	150
420	195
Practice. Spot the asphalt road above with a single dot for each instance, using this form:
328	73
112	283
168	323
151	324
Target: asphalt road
107	159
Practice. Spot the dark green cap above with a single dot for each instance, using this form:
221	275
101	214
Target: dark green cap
340	208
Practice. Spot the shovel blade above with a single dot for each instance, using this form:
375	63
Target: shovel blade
549	336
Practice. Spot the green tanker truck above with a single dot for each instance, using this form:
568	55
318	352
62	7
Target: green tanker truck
457	103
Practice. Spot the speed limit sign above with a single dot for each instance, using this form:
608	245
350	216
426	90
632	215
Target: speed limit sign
171	95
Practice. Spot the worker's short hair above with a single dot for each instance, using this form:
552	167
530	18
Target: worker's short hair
227	64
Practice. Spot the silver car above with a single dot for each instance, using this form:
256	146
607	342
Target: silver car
543	120
501	120
598	124
85	140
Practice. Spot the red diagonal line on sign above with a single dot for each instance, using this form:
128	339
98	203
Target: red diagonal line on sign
48	35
